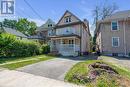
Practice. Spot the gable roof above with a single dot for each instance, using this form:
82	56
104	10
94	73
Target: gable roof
14	32
65	14
120	15
45	26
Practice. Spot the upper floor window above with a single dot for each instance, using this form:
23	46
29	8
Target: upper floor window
71	41
67	19
49	25
114	25
115	41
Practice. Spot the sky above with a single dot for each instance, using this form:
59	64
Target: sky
54	9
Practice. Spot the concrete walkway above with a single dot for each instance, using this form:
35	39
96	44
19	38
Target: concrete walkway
10	78
55	68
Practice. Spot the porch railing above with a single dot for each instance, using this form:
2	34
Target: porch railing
69	47
65	47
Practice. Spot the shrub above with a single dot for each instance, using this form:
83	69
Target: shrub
10	47
45	49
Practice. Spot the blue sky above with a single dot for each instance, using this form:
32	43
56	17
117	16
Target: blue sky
54	9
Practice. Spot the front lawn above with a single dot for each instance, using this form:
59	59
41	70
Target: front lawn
14	63
81	74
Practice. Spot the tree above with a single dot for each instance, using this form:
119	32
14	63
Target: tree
9	23
101	12
32	28
26	27
22	25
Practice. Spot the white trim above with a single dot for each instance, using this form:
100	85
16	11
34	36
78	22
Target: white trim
117	26
118	42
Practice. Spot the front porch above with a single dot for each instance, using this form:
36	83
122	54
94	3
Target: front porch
67	46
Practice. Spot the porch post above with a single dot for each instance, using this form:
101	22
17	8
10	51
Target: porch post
51	47
61	44
74	44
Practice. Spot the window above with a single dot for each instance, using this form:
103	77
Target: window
71	41
67	19
115	41
49	25
114	25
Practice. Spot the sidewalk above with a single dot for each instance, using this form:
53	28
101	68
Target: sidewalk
12	78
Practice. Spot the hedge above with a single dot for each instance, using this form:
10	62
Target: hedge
45	49
11	47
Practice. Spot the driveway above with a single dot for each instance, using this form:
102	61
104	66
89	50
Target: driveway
124	62
55	68
11	78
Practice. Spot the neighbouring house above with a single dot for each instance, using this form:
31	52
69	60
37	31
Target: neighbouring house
19	35
113	34
36	38
71	37
44	31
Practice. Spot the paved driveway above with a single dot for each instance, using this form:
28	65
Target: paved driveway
124	62
54	68
10	78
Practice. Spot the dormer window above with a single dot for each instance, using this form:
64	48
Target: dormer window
49	25
67	19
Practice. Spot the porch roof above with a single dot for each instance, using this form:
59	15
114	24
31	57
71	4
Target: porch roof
68	35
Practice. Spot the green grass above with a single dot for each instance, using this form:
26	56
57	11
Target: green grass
20	63
13	59
81	69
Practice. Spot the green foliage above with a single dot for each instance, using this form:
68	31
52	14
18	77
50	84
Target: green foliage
106	80
94	40
45	49
26	27
9	23
23	25
10	47
81	71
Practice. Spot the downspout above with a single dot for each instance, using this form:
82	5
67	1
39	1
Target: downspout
125	49
80	38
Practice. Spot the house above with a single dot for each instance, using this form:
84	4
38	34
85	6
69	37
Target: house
44	31
36	38
113	34
18	34
71	36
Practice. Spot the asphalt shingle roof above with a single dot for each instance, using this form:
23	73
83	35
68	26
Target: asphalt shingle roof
14	32
118	15
45	26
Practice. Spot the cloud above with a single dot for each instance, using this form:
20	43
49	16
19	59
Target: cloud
37	21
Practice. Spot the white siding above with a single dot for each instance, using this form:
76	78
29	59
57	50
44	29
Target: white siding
67	30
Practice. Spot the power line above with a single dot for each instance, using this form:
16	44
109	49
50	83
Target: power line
33	9
25	14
